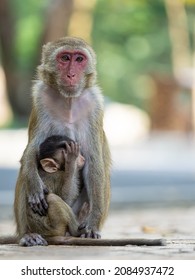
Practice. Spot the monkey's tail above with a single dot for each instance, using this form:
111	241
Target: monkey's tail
61	240
8	240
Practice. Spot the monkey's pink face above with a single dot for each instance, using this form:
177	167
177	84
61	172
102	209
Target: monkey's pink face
72	66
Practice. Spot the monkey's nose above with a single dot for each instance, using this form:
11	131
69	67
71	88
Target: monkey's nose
70	76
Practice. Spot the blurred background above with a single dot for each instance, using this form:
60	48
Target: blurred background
146	68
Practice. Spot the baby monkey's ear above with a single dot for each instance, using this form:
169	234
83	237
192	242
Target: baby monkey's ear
49	165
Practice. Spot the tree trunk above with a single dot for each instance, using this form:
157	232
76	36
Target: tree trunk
180	41
18	83
7	51
178	30
57	20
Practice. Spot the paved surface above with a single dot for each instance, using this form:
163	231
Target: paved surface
175	224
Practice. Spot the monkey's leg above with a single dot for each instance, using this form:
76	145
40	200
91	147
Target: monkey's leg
98	190
25	236
57	222
60	217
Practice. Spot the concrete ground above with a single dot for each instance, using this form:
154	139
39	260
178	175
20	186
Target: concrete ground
174	224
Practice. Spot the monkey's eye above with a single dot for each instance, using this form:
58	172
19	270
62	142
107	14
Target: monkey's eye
79	59
65	57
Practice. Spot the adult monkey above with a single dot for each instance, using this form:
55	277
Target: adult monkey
66	100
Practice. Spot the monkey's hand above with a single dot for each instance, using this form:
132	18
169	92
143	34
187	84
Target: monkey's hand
71	153
90	232
38	203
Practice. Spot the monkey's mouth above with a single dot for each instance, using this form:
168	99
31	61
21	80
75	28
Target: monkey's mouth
70	87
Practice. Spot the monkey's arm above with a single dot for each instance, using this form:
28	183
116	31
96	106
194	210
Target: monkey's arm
30	179
36	189
29	176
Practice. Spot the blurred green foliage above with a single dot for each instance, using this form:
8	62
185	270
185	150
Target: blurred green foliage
130	37
29	16
131	40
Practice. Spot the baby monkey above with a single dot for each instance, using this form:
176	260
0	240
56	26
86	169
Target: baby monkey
57	151
59	161
60	155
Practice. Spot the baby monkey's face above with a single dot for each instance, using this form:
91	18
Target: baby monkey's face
63	158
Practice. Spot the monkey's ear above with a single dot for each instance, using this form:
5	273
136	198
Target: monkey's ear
49	165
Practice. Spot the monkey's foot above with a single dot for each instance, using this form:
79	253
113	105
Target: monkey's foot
89	232
32	239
